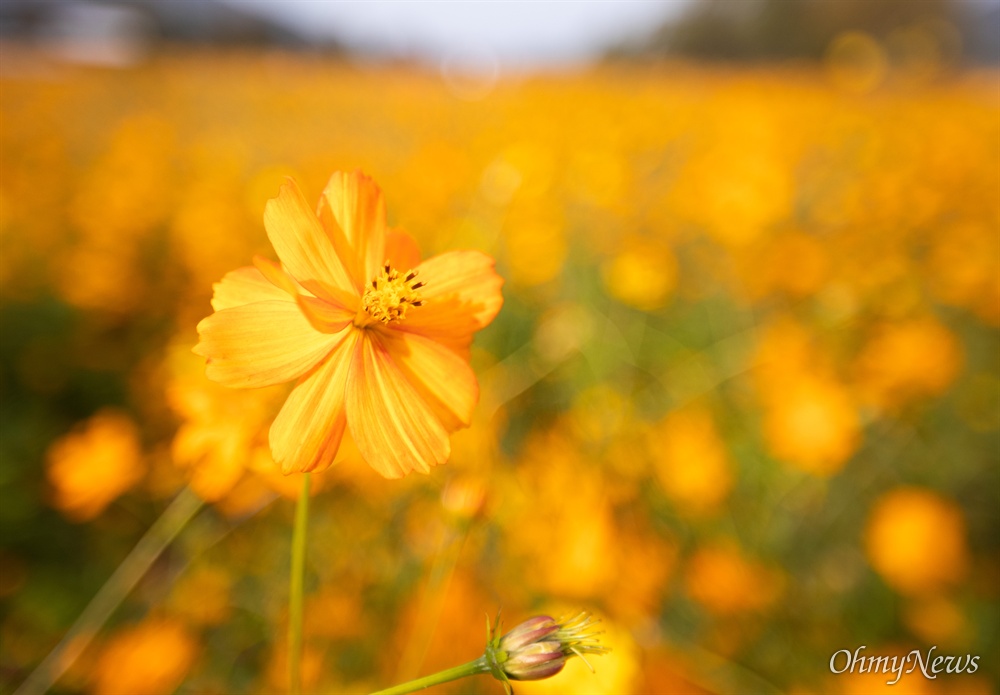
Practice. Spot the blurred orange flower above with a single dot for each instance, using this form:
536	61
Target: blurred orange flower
725	582
908	360
691	460
915	539
150	658
220	429
90	467
813	425
380	351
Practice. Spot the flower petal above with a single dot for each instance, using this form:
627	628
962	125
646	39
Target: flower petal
302	245
244	286
325	316
261	344
276	275
461	295
401	250
307	432
352	210
395	430
441	377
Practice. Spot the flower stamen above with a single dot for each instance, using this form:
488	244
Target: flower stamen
390	296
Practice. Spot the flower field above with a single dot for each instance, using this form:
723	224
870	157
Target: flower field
742	401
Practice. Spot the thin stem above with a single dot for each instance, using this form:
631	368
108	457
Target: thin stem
432	600
295	592
452	674
129	572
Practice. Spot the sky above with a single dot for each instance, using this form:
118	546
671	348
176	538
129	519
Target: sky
511	33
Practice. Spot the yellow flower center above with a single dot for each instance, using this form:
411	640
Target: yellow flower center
391	294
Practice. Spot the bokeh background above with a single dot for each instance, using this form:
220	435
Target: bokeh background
742	401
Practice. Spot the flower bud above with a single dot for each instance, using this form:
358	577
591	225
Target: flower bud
530	631
539	647
535	661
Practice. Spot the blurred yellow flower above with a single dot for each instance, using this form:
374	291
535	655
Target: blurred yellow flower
147	659
380	350
786	350
91	466
642	276
691	460
536	246
937	620
570	554
812	425
793	262
645	564
219	428
221	441
915	539
740	184
908	360
722	580
963	267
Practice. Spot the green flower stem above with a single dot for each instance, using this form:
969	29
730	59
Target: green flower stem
452	674
129	572
295	592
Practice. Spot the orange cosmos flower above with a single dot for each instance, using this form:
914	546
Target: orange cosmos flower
378	340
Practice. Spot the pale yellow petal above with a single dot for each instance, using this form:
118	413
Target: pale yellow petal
395	430
326	316
352	209
461	295
260	344
276	275
442	378
307	432
244	286
303	246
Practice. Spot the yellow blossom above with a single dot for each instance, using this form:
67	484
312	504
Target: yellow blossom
908	360
219	429
643	275
90	467
916	540
691	460
150	658
378	340
726	583
813	425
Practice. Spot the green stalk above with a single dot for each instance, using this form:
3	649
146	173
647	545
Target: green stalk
452	674
129	572
295	593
